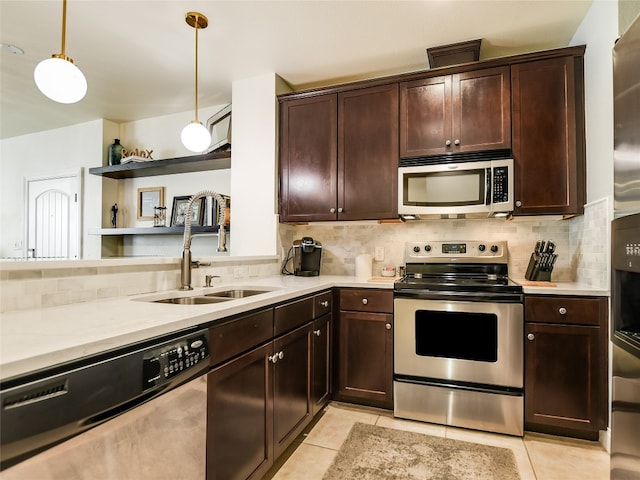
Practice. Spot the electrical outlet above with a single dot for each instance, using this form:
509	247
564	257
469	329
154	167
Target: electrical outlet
379	254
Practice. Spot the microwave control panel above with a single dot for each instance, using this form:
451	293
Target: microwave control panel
500	184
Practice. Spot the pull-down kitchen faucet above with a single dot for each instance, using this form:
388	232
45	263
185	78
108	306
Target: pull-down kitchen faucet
185	270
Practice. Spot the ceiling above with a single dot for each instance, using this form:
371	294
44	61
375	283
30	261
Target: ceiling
138	55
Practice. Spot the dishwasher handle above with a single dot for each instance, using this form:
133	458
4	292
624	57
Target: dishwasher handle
123	407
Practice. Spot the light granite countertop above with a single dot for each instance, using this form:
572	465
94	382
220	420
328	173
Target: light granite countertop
32	340
561	288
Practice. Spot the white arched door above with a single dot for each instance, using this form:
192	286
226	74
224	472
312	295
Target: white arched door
53	217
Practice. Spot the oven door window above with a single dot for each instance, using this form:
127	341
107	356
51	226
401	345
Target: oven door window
459	335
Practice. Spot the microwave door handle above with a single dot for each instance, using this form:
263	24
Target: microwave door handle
488	198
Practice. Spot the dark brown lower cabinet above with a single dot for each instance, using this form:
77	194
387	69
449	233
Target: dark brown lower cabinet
565	366
291	384
321	364
365	347
261	400
240	417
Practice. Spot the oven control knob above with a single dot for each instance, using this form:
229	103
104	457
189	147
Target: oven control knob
427	248
416	249
494	248
481	247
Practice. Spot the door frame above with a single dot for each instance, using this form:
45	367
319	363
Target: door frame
76	174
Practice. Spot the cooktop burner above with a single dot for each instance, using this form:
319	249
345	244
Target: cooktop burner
460	266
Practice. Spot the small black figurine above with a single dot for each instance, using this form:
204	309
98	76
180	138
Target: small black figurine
114	214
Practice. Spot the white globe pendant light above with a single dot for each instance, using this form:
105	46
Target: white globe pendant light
58	77
195	137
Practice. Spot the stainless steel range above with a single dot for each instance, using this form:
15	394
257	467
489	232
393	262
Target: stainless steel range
458	338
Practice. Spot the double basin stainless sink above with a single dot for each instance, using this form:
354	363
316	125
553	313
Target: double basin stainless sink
213	297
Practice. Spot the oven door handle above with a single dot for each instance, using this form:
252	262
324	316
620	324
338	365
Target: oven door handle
460	296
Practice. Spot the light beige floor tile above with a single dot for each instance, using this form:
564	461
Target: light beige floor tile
561	458
333	428
515	444
308	462
411	426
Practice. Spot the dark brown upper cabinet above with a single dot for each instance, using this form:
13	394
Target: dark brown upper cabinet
462	112
548	136
339	156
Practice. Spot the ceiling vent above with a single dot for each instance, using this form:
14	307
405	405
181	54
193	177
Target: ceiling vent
454	54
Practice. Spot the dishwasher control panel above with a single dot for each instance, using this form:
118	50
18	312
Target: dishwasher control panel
165	362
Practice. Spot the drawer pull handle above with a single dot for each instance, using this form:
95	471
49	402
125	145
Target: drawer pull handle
365	301
325	303
276	356
562	311
531	336
317	333
387	326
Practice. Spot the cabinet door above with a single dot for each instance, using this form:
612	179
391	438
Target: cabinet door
368	153
425	116
562	379
291	386
481	102
321	364
548	137
366	358
240	417
308	175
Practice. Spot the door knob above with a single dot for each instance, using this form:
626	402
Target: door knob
340	210
365	301
562	311
448	143
387	326
317	333
531	336
332	210
325	303
518	203
457	142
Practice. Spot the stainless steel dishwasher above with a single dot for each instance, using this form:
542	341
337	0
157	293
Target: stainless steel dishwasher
136	413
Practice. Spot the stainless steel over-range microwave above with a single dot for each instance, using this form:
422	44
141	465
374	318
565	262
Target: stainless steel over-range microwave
477	188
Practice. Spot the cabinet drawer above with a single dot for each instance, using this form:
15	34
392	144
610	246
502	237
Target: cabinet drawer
292	315
322	304
366	300
567	310
240	335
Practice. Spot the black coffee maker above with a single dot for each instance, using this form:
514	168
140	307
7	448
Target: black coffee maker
307	254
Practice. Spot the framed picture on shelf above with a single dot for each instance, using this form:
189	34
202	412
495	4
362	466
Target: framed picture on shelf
179	211
148	199
219	126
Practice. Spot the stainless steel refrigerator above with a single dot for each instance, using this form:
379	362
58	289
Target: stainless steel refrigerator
625	260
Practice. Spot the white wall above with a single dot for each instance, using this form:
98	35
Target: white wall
598	31
254	191
49	153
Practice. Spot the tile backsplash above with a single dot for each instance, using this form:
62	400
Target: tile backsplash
581	242
42	286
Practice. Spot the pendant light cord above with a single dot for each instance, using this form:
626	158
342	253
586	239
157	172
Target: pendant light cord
196	94
64	26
